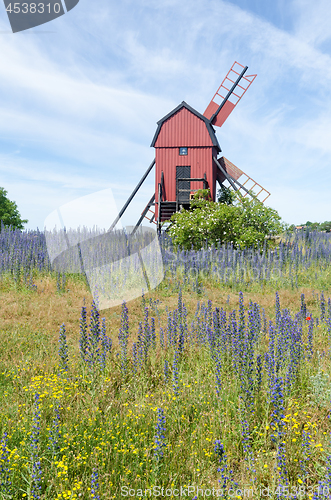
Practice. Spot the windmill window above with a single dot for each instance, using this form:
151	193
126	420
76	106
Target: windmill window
183	151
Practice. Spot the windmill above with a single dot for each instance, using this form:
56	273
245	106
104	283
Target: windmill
188	155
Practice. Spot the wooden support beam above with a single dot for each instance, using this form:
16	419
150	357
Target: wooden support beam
226	175
134	192
159	209
162	186
151	201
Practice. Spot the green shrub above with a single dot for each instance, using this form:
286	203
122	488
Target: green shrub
246	224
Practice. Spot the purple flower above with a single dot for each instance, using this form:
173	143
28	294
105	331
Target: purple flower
63	349
159	438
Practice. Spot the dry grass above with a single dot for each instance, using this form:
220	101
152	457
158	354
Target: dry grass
45	309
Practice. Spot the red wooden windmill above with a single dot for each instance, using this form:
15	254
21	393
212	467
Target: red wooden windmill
187	153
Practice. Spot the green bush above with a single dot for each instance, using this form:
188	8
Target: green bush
247	224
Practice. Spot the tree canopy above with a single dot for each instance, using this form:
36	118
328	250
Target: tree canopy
247	223
225	195
9	214
312	226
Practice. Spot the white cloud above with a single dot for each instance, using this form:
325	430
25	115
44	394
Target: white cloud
312	21
81	104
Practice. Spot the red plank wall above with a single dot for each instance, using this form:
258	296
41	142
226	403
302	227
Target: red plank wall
184	129
199	159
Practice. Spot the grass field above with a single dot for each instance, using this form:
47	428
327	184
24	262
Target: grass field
217	383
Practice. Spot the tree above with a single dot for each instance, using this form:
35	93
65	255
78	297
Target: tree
9	214
225	195
325	226
247	224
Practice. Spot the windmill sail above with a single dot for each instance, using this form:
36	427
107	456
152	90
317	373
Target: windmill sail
227	171
229	93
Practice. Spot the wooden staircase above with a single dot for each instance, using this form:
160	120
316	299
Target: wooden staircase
168	208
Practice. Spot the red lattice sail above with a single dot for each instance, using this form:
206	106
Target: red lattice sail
229	93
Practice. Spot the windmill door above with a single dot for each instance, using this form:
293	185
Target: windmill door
183	172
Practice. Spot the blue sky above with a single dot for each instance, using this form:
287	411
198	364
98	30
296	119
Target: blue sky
80	98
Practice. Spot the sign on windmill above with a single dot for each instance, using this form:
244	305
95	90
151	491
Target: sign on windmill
188	155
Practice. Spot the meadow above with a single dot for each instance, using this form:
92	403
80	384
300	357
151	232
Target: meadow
214	384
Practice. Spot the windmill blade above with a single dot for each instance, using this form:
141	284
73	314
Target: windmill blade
229	93
227	171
